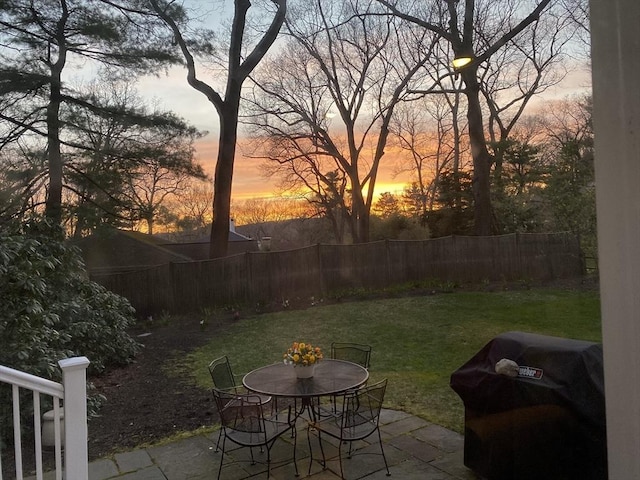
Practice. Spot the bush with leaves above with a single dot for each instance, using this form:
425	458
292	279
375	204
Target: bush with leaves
397	227
50	310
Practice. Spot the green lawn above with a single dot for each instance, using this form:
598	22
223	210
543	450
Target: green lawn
417	341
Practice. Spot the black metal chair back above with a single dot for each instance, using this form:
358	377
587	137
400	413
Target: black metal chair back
221	374
358	419
241	413
361	411
352	352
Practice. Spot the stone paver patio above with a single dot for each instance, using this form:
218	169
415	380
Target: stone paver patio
415	449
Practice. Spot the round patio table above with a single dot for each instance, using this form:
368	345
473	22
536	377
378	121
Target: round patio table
331	377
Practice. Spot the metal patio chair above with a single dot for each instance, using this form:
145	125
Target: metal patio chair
244	423
222	376
224	380
352	352
358	419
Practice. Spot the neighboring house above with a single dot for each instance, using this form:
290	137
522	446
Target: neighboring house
199	248
195	245
120	250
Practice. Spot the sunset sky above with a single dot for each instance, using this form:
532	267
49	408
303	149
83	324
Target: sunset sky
249	183
172	92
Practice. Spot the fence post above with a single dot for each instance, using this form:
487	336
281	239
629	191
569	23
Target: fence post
250	294
323	283
172	303
519	258
74	381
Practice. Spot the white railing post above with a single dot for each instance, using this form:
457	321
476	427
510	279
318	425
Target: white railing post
76	452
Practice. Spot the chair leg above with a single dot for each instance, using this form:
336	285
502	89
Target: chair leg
324	459
268	462
295	408
221	456
324	463
310	448
340	459
218	442
384	457
295	444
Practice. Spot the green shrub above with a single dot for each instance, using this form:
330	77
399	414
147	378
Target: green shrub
397	227
50	310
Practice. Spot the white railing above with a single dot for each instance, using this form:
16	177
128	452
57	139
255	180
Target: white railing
72	391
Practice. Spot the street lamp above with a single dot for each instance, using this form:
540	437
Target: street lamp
461	61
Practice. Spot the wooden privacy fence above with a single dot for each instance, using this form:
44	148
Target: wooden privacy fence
320	270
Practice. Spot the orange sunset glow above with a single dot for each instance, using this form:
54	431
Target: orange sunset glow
249	182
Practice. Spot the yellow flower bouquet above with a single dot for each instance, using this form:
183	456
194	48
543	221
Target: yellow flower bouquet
301	354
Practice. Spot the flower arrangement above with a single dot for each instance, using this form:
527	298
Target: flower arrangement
302	354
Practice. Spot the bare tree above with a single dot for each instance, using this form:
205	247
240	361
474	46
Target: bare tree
240	67
154	183
323	106
272	209
190	209
520	41
578	12
570	182
518	72
429	131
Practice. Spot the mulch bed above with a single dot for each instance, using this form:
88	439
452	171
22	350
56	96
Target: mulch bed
146	403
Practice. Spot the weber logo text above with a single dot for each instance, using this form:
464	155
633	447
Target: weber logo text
530	372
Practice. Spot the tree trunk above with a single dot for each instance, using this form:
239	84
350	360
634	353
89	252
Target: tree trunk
481	156
336	216
457	197
219	242
359	213
53	203
364	226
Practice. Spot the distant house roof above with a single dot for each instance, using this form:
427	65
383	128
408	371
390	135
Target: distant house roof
195	245
201	235
206	238
121	249
198	248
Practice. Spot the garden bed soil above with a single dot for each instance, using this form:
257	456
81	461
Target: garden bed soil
147	401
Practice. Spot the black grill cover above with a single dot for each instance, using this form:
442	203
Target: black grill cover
572	381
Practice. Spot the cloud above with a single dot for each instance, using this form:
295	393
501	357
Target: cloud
172	92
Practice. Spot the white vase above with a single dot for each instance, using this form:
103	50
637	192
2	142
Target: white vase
48	429
304	372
